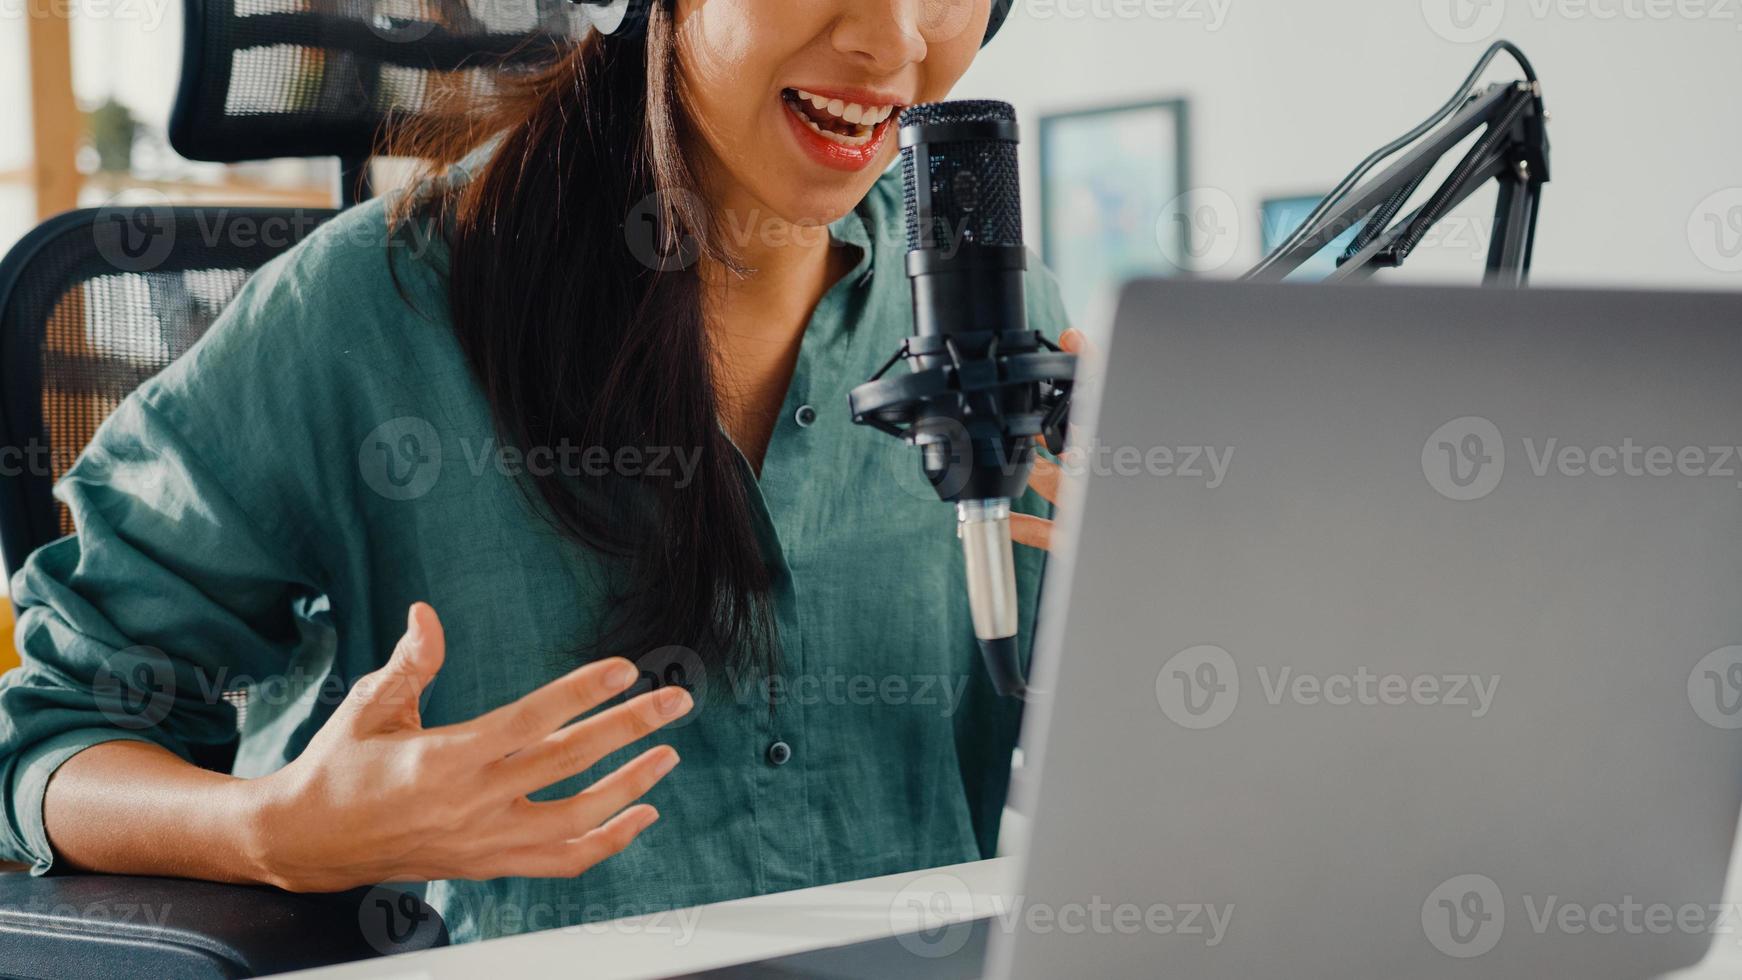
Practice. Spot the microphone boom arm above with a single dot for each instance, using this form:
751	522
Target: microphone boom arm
1513	150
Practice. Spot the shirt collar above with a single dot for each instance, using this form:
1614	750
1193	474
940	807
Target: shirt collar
855	229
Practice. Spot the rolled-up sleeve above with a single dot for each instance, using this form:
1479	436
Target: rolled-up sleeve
132	628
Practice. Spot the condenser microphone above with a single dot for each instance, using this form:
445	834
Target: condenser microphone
981	385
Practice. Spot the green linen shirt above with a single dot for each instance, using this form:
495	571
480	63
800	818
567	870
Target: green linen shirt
259	516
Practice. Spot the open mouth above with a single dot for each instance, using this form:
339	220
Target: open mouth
847	124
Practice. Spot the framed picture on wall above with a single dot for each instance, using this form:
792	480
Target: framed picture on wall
1278	218
1111	183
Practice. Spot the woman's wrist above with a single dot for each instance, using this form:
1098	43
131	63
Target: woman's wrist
261	808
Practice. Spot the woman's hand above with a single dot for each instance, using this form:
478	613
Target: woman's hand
1047	475
378	797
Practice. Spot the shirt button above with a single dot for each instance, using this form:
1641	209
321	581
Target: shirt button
779	753
806	416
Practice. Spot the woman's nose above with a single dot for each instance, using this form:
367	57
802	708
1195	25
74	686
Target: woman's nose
886	35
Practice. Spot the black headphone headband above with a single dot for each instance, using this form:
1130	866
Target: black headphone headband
635	15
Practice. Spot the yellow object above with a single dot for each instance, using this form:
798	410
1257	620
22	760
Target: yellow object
8	653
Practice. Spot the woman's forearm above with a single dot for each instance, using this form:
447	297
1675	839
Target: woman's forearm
129	807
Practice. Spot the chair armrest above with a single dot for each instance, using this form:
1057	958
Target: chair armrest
91	925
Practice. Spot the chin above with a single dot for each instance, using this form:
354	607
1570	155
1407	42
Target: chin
835	205
825	202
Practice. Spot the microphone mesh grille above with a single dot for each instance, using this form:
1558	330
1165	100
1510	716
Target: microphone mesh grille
976	195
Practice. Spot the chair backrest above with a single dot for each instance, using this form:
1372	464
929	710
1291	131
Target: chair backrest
94	302
315	78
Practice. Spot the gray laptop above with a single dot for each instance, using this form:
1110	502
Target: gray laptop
1399	634
1435	674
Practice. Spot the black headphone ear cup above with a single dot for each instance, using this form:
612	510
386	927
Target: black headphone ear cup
1000	10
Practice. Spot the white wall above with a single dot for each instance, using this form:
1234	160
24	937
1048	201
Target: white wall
17	200
1287	95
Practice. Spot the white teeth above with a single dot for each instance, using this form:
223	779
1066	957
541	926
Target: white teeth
852	113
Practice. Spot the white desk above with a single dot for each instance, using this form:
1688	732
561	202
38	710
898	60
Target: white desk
1724	962
723	934
767	926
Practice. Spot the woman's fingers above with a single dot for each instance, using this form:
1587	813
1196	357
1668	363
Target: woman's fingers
1030	530
567	819
576	748
566	859
1047	475
523	723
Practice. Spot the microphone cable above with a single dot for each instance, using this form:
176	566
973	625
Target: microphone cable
1349	183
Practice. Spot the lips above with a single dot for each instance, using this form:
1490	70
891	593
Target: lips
836	129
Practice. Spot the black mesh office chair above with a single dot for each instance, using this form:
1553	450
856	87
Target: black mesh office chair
94	302
315	78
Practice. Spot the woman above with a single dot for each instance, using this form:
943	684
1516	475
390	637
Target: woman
428	495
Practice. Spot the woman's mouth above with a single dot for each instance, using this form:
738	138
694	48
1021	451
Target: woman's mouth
839	134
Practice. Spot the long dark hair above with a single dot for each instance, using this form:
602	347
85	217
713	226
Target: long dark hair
586	330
